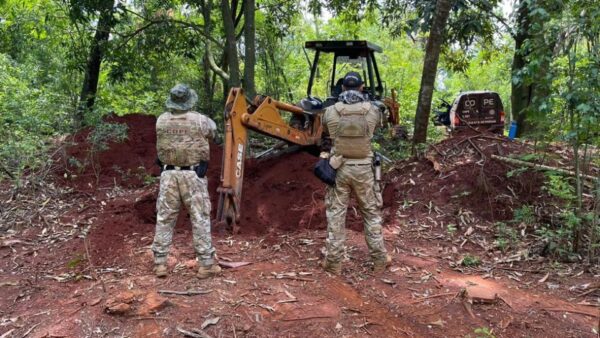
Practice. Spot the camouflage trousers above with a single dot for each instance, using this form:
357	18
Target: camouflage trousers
176	187
360	180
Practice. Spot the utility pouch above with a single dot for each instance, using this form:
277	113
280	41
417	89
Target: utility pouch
201	169
325	172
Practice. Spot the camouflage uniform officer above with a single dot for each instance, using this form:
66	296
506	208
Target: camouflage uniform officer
350	124
182	143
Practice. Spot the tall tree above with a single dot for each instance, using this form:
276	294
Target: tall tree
521	92
536	41
432	56
250	46
207	92
89	87
233	62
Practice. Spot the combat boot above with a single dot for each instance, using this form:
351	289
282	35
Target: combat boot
333	267
160	270
208	271
380	264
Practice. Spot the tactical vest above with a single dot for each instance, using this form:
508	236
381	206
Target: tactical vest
180	140
353	138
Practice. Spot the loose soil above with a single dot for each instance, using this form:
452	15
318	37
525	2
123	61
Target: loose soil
85	268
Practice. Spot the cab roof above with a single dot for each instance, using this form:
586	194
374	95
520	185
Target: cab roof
342	46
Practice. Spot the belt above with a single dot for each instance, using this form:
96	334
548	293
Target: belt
174	167
356	164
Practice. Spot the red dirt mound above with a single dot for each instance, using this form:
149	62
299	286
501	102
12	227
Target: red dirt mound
278	193
126	164
282	193
460	173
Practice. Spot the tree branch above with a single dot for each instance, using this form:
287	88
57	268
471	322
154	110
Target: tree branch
213	65
498	18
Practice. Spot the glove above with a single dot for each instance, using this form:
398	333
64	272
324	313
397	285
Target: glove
325	172
201	169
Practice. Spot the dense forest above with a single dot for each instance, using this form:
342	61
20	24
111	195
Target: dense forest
73	66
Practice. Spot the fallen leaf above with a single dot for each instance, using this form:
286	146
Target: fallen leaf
233	265
267	307
438	322
95	301
388	281
11	242
543	279
211	321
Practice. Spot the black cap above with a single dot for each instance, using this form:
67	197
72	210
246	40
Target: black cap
352	80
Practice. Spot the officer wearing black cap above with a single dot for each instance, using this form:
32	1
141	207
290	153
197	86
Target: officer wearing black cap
350	124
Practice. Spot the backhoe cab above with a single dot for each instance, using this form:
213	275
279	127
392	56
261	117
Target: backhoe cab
303	129
347	56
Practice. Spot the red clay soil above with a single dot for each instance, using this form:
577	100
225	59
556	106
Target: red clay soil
53	284
455	174
278	193
125	164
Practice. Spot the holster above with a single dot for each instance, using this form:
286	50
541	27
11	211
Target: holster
201	169
325	172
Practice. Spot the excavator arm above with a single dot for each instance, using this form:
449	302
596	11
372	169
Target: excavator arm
263	116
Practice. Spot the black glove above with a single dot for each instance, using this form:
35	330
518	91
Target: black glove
325	172
201	169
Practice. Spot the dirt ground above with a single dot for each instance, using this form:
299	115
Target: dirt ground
75	257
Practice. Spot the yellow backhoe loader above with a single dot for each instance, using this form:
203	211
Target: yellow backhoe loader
303	129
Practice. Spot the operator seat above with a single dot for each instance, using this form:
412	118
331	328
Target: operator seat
336	89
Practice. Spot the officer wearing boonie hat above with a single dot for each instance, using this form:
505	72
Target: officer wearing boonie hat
182	144
350	123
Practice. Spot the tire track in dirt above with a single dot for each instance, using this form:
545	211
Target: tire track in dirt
385	324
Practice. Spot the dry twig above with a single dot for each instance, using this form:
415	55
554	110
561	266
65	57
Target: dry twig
185	293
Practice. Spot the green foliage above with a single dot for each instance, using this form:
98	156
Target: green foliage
516	172
525	214
559	239
75	262
451	229
483	332
506	237
558	186
470	261
531	157
106	132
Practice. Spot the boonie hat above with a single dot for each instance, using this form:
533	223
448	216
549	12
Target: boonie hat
352	80
181	97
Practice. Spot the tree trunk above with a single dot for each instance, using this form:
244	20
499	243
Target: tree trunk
94	61
207	92
521	94
230	45
432	56
250	47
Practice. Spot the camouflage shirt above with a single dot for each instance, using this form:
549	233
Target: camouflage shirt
182	138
